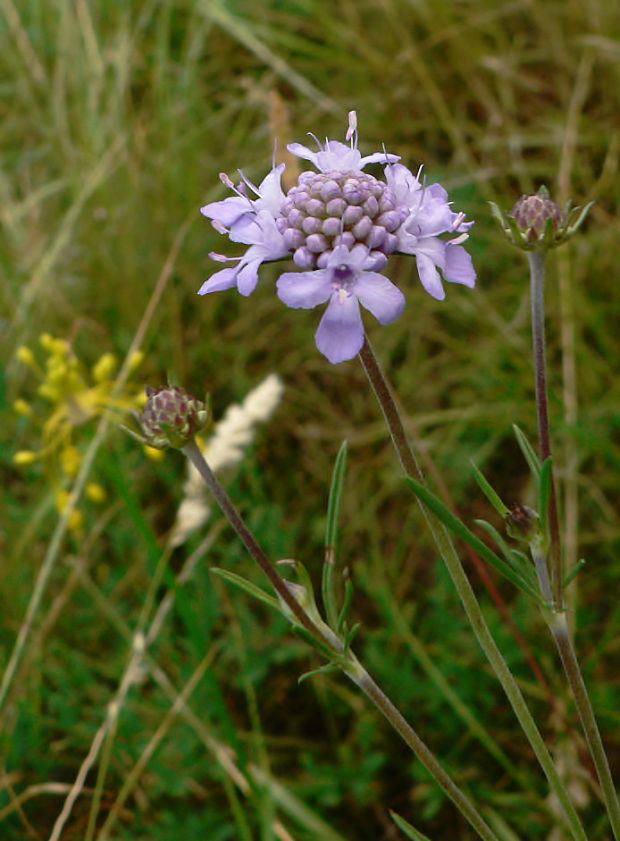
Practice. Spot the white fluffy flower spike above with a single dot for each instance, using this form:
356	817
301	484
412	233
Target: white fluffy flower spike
224	449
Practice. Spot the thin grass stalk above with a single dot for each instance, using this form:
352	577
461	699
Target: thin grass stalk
385	398
163	728
221	752
56	541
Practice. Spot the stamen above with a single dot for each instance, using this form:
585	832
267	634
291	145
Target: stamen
352	130
316	140
222	258
239	190
227	182
460	217
248	183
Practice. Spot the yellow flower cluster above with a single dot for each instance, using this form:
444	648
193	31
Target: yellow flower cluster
72	396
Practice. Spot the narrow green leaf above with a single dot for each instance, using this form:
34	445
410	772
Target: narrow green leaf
335	495
523	561
544	493
406	827
331	532
573	572
523	572
489	492
322	670
458	528
528	452
321	646
351	634
246	585
517	560
497	214
346	604
580	218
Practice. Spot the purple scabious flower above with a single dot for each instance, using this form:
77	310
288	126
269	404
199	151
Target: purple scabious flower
430	215
346	281
339	225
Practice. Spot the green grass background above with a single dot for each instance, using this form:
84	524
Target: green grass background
116	119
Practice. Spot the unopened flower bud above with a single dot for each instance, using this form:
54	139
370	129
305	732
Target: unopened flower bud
171	417
534	212
522	523
537	223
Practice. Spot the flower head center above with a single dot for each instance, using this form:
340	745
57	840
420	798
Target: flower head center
343	276
339	207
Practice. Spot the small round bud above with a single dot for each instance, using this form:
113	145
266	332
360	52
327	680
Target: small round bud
522	523
532	214
171	417
536	223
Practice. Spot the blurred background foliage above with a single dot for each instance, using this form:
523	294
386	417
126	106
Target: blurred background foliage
117	116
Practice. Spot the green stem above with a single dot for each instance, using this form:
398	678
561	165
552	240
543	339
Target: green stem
537	281
352	668
561	635
542	573
446	549
192	451
558	623
364	681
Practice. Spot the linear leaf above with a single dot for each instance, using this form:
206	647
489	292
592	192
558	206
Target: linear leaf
331	531
489	492
459	528
248	586
405	826
528	451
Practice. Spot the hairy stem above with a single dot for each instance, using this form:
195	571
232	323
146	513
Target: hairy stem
446	549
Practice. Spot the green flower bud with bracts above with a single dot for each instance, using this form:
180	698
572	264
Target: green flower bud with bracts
171	417
522	523
536	223
535	212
